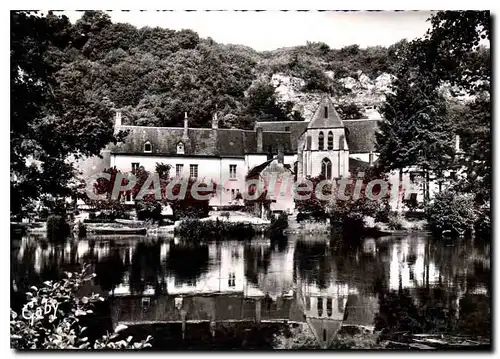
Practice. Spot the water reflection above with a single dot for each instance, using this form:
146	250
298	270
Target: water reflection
302	279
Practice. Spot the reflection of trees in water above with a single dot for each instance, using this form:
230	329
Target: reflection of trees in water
361	270
146	268
279	244
313	262
257	261
462	263
110	269
187	262
37	261
449	303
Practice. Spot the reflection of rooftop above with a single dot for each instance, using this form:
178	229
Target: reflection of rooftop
361	311
221	307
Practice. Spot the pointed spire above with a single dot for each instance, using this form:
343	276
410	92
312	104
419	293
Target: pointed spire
325	115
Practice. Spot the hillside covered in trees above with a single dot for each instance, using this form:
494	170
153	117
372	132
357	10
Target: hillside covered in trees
154	75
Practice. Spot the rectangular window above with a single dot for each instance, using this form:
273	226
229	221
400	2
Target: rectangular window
178	170
233	196
193	171
127	196
135	166
287	129
232	280
232	171
326	111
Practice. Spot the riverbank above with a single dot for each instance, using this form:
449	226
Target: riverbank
131	227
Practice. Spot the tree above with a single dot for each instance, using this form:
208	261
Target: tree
263	104
350	111
454	51
415	131
52	117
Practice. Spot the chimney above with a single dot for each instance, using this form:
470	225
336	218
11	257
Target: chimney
457	143
215	131
118	121
215	121
259	139
370	159
185	134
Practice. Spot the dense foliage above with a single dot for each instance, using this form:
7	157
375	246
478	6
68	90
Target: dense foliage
177	194
419	124
57	228
348	203
198	231
452	212
54	317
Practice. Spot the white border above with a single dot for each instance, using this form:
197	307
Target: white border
192	4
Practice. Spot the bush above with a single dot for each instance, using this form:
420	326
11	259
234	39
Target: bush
483	224
278	226
190	209
395	223
43	214
54	317
451	212
319	216
195	230
57	228
148	210
82	230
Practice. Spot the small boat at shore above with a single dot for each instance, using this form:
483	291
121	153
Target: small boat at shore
129	222
138	231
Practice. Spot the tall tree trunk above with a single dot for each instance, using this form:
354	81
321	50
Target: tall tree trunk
400	192
427	192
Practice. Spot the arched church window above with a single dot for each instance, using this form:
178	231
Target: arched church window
341	142
319	306
147	147
329	309
326	168
321	141
330	140
180	148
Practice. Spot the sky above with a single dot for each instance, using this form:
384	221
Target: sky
269	30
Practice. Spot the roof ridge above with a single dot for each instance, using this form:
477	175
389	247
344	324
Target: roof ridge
361	119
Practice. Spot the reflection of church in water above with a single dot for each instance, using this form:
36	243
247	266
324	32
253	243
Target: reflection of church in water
300	282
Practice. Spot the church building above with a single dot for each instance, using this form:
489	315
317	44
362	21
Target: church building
323	145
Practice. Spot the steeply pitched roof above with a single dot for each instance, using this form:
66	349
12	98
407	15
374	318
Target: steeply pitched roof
331	120
296	129
361	135
331	326
254	171
201	141
361	310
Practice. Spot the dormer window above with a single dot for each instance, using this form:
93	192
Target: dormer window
180	148
148	147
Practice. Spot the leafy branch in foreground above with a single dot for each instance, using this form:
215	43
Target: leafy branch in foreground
53	315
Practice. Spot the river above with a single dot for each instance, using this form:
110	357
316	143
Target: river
322	282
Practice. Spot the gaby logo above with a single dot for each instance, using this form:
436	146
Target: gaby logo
33	312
